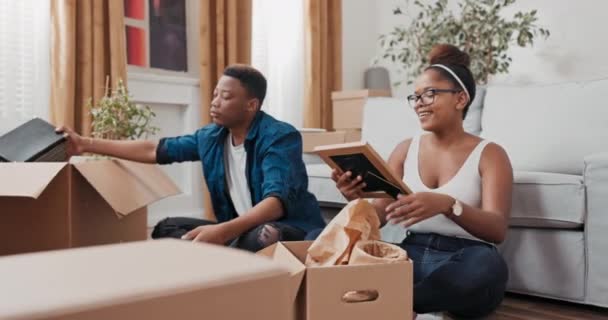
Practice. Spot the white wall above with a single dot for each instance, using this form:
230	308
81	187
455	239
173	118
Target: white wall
575	51
358	38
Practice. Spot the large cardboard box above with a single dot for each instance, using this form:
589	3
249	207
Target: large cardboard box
46	206
149	280
347	107
319	293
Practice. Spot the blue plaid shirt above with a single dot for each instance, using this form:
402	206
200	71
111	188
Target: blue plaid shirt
274	168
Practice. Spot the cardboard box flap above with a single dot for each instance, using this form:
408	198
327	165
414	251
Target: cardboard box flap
357	94
29	179
127	186
95	277
285	258
298	249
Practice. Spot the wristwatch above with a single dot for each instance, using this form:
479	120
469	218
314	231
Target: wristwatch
457	208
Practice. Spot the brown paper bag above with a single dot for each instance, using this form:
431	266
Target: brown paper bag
357	221
371	252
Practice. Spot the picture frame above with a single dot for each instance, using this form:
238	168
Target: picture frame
362	160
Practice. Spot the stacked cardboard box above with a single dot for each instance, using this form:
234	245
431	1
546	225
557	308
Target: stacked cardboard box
60	205
312	138
347	109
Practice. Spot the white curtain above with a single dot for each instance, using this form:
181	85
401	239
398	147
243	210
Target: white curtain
24	61
277	50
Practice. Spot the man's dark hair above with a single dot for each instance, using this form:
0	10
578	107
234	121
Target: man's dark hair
250	78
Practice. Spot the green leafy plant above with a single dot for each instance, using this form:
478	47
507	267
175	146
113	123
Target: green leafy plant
116	117
478	27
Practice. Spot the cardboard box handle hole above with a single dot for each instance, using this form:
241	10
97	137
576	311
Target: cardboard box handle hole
358	296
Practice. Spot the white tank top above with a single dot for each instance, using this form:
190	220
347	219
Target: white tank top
464	186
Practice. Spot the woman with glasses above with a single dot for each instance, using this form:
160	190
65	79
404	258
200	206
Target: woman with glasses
462	196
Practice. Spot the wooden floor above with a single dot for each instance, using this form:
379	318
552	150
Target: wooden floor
516	307
520	307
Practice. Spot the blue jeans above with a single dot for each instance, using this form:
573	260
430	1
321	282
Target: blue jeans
253	240
466	278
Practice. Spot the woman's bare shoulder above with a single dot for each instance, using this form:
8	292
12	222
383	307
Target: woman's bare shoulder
494	155
400	151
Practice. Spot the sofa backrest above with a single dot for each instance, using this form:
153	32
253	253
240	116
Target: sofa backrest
388	121
548	128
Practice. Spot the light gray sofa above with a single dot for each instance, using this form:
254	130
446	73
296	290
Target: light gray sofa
557	139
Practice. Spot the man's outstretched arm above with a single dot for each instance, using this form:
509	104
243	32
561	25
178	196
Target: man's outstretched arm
136	150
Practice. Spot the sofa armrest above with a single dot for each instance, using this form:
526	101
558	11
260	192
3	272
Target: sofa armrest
311	158
595	175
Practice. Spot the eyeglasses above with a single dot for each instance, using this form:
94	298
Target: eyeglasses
427	97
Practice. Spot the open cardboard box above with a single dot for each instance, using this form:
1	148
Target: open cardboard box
46	206
156	279
318	292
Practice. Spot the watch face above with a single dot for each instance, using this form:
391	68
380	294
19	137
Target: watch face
457	208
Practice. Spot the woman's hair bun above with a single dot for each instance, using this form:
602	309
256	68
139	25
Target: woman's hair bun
448	54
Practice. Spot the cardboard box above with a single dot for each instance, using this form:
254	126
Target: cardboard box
353	135
318	292
347	107
312	139
48	206
155	279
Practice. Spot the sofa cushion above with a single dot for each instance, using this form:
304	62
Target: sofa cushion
472	122
540	200
311	158
322	186
548	128
548	200
548	263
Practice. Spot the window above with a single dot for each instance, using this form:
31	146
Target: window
277	50
156	34
24	61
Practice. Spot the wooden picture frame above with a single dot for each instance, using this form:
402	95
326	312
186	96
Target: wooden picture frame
361	159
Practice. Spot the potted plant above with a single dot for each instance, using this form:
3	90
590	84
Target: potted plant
116	117
478	27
